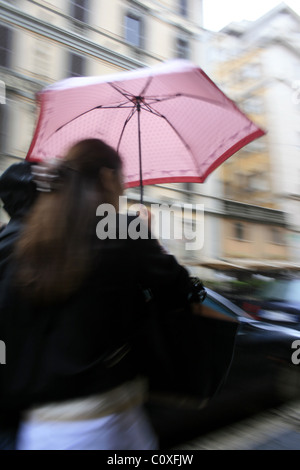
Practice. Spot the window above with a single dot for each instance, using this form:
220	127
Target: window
257	146
250	71
2	92
276	236
239	231
77	65
183	8
5	46
182	49
42	58
3	127
79	10
253	105
188	187
258	182
133	30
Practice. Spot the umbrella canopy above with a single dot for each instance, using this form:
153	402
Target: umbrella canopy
170	122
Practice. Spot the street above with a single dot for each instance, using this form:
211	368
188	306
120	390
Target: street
275	429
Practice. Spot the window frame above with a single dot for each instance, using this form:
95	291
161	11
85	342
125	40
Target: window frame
4	125
183	8
277	236
186	48
72	66
239	231
74	5
7	49
136	16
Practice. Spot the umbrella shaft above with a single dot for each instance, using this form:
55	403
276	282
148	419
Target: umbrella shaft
140	151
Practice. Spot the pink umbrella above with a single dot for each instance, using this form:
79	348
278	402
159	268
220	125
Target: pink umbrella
170	123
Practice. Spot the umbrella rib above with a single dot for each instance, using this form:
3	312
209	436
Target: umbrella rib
178	95
202	98
157	113
122	92
124	126
127	95
121	105
147	107
146	85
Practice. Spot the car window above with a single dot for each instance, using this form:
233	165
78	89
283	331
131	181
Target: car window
274	291
221	308
293	291
284	290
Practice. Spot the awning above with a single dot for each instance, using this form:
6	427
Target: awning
221	265
250	265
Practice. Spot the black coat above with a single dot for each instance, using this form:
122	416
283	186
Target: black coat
8	237
18	193
63	351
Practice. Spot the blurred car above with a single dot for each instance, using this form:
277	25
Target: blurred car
278	302
262	373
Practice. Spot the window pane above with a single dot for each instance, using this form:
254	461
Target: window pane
284	290
183	7
133	30
239	231
5	45
2	92
77	65
293	292
3	127
182	49
277	236
79	9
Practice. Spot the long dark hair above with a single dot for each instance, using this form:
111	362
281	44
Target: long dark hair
55	251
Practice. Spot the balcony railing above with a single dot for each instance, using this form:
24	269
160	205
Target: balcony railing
254	213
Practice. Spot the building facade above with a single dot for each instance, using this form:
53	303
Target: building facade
257	64
250	204
46	41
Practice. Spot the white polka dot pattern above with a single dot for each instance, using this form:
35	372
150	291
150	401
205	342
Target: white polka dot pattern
188	126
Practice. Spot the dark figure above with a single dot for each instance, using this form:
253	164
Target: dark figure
74	310
18	193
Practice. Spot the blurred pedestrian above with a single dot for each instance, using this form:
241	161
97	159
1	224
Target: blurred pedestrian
74	312
18	193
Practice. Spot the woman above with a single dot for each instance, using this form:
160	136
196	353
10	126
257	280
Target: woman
74	312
